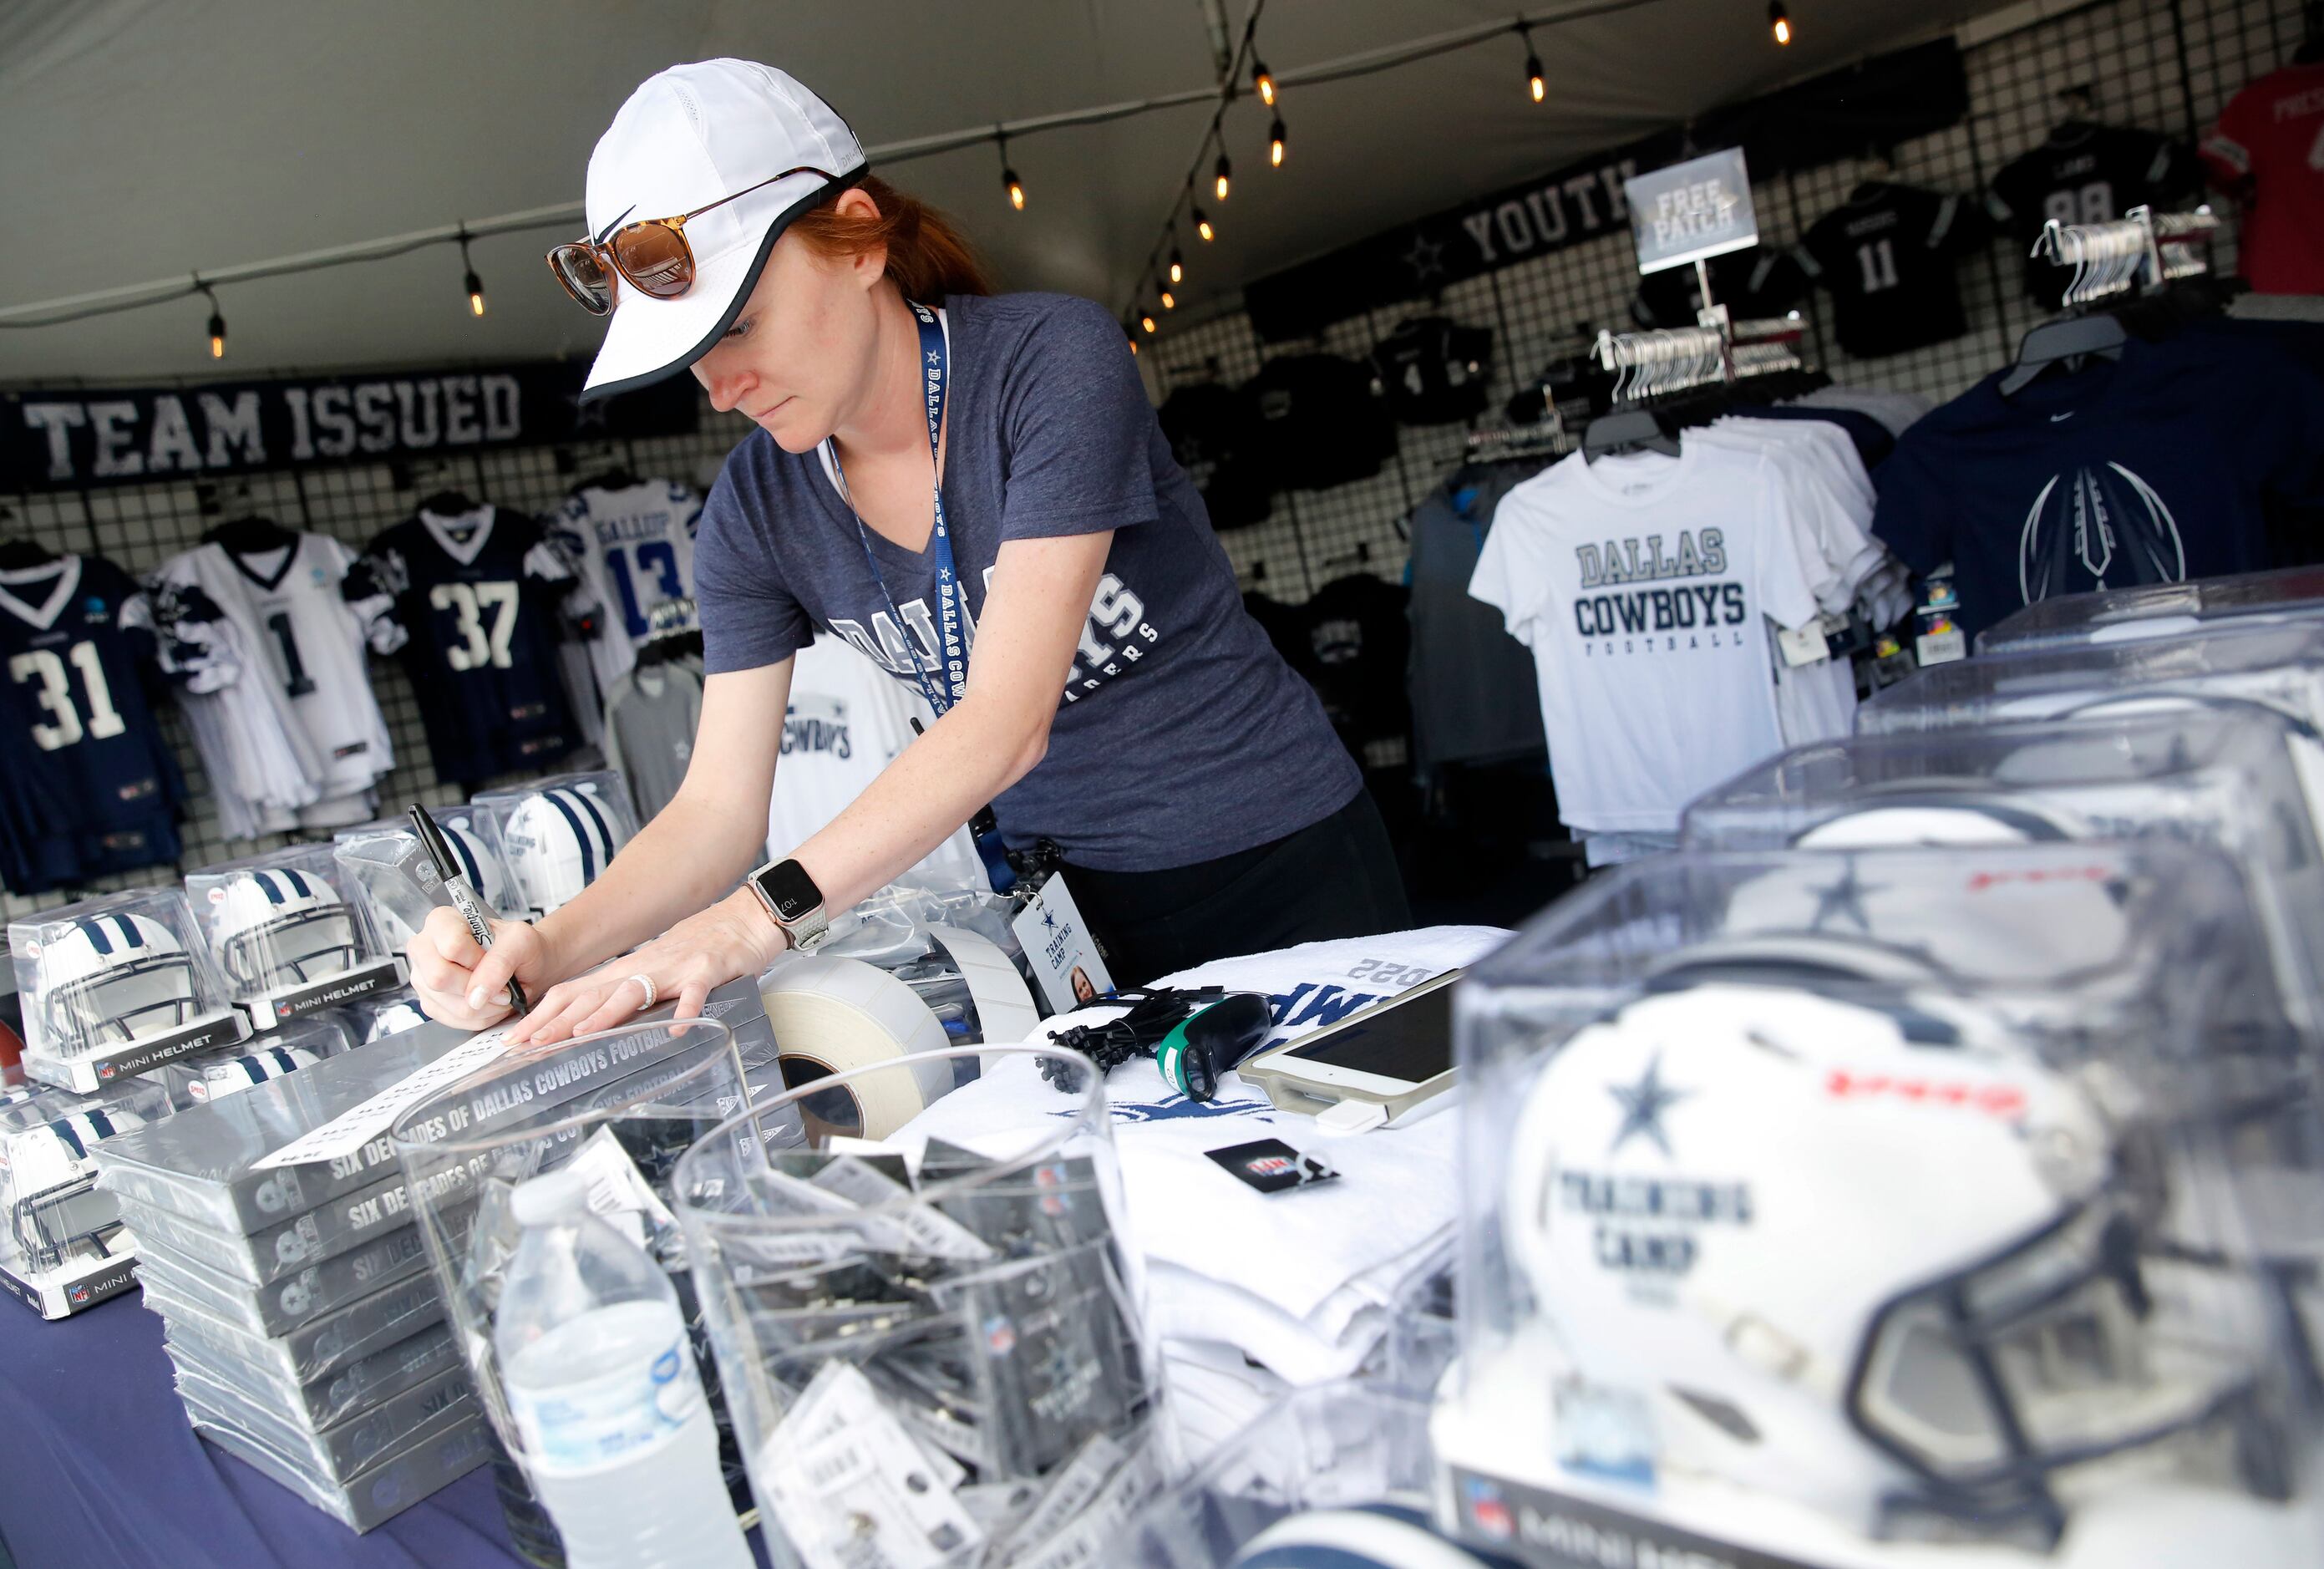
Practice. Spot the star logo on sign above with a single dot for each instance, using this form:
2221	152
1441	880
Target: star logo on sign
1642	1105
1049	921
1426	259
1844	899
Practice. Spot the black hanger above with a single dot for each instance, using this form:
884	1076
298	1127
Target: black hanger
249	536
18	554
1630	430
2067	338
617	478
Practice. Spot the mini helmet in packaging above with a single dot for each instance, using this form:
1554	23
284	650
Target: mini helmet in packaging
213	1075
560	832
2153	610
383	1016
381	861
1769	1253
61	1234
115	986
287	938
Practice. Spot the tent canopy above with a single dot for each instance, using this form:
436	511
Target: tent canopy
152	138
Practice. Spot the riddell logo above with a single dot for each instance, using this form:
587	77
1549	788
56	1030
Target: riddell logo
1980	882
1993	1100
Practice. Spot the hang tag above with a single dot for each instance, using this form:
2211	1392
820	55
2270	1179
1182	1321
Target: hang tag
1940	648
1064	953
1804	645
618	1192
1271	1166
853	1488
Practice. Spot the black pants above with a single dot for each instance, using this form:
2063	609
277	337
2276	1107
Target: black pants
1336	878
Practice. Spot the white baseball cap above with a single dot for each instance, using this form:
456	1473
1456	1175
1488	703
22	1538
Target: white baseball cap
689	136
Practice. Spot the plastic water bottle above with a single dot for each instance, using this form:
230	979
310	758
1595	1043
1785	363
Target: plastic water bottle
618	1440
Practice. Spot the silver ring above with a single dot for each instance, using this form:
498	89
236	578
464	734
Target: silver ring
653	992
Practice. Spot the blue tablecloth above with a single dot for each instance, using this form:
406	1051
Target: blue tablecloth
99	1470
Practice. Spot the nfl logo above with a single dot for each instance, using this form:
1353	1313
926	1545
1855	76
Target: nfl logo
1000	1336
1488	1513
80	1293
106	1070
1269	1166
282	1011
1049	1178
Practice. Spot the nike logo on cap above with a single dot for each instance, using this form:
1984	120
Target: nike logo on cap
609	228
2055	418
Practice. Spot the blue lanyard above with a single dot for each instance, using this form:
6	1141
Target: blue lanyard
952	602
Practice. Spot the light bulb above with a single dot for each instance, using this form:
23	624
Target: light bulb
1264	80
1177	266
1779	21
1275	138
1203	226
1534	83
476	287
1220	176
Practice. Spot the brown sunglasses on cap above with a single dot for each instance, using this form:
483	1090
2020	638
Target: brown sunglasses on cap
651	254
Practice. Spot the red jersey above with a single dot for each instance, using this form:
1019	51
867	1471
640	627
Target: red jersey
2269	147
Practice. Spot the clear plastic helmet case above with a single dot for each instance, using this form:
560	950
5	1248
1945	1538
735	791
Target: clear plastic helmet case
2229	776
383	866
56	1229
2274	665
560	834
290	934
212	1076
117	986
2156	610
1785	1237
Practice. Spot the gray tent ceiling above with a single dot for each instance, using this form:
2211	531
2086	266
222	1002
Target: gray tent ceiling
147	138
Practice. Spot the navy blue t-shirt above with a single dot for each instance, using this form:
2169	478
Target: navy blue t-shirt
2158	467
1181	735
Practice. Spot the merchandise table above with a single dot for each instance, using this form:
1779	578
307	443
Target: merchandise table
101	1470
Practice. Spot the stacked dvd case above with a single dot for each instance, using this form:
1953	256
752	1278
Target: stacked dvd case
306	1331
279	1243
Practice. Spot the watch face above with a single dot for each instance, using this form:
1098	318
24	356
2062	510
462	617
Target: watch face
791	891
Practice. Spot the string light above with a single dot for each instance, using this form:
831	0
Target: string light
1169	301
1220	176
1263	81
218	321
1009	180
472	283
1178	264
1203	226
1275	137
1779	21
1130	333
1146	321
1534	82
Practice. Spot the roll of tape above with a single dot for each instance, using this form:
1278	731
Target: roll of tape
833	1015
1005	1014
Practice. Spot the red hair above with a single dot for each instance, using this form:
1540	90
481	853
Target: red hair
927	256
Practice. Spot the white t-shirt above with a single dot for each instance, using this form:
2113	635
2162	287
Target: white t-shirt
847	721
1643	583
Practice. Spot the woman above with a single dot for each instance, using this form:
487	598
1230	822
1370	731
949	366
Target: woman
973	490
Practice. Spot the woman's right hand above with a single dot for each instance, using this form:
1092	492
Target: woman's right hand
465	985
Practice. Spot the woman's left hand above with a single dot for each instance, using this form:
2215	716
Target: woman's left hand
733	937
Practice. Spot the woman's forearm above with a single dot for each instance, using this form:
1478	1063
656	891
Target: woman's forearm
689	855
940	781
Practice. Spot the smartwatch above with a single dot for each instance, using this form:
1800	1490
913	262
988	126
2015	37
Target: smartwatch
793	902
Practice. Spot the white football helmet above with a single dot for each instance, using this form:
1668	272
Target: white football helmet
112	979
397	1012
51	1181
237	1074
560	840
283	927
1889	1271
484	870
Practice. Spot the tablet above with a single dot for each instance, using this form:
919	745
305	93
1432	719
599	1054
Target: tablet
1395	1057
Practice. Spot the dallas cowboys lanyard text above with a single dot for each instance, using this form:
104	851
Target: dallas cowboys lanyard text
952	601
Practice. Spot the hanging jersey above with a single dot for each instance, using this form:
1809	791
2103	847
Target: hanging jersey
1644	585
1432	370
1887	257
650	716
1214	435
2268	148
87	786
633	548
286	607
472	604
2083	174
